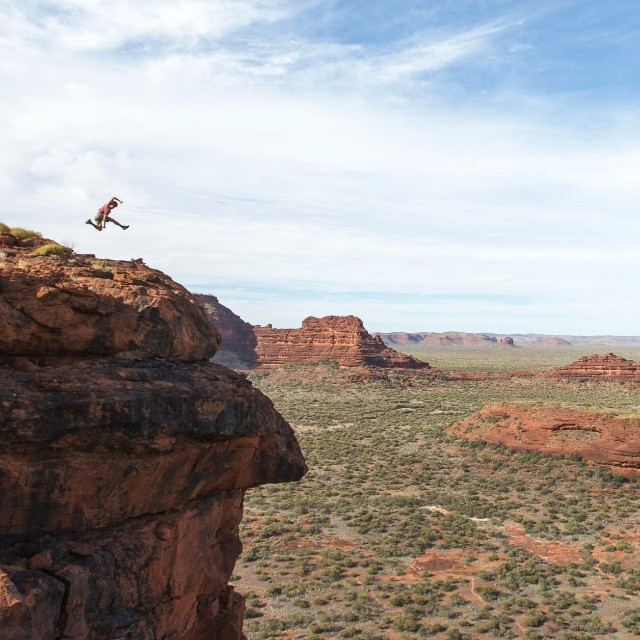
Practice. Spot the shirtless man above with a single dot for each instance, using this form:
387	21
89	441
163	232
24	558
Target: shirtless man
104	215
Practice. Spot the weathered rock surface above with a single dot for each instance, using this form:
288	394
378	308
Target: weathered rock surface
608	366
340	338
506	341
599	438
53	305
144	436
124	460
238	341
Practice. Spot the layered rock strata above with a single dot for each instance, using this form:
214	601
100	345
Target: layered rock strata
340	338
124	461
608	366
598	438
238	340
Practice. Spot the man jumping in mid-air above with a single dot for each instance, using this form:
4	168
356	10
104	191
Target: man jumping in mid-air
104	215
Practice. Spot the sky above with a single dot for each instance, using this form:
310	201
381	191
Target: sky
427	165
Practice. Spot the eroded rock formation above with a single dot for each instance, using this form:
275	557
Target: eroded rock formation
238	341
599	438
552	341
608	366
79	305
340	338
124	460
434	339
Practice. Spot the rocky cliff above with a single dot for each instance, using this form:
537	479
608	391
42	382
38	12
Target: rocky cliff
124	455
238	341
599	367
599	438
340	338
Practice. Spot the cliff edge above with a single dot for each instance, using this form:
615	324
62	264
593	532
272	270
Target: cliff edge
124	455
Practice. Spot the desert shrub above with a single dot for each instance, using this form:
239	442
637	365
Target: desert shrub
22	234
535	619
4	228
50	249
631	621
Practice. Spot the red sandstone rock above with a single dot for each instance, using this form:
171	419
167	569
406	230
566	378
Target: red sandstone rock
238	341
121	481
53	305
506	341
609	366
146	437
340	338
614	442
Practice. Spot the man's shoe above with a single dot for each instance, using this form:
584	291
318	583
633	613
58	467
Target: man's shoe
125	226
88	221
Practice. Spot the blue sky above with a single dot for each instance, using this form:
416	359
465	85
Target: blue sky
425	165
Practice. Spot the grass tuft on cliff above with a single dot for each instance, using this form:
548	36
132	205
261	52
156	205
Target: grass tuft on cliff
23	234
4	228
51	249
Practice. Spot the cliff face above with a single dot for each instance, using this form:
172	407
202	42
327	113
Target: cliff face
238	340
609	366
124	459
340	338
614	442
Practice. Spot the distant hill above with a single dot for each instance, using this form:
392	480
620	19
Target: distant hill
430	339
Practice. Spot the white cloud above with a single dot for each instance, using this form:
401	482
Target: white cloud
95	25
277	161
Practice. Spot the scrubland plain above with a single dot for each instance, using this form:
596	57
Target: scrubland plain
402	531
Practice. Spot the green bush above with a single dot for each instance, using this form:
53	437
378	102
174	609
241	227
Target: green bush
23	234
50	249
535	619
4	228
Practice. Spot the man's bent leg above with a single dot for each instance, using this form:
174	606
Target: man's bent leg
122	226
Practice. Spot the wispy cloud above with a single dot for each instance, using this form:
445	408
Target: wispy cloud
252	151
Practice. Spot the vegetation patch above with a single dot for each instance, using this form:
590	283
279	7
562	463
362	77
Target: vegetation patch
23	234
401	530
51	249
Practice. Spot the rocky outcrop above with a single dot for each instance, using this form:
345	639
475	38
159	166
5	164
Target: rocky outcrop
552	341
238	341
599	438
124	461
435	339
52	305
340	338
506	341
599	367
